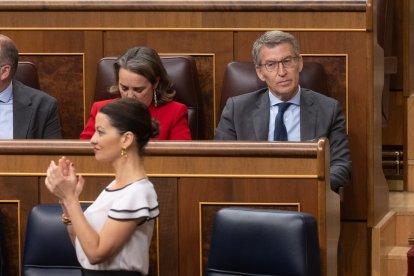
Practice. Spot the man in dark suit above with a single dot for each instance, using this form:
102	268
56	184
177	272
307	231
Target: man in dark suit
308	114
25	113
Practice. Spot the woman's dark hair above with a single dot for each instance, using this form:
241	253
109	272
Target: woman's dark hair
128	114
146	62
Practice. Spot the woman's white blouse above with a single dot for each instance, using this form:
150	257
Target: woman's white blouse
133	201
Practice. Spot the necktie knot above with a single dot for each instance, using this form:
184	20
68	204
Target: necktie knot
280	128
283	106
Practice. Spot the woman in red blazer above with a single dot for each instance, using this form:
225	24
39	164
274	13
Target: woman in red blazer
141	75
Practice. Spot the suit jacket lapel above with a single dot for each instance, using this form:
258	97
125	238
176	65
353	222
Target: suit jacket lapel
308	117
22	113
261	116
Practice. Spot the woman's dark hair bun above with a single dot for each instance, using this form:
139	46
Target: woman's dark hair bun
127	114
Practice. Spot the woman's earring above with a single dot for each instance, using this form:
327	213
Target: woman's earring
123	152
155	98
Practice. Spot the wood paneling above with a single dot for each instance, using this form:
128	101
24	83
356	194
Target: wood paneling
393	133
383	239
18	196
186	176
200	5
215	35
409	151
409	92
354	238
181	19
228	45
68	90
10	230
195	195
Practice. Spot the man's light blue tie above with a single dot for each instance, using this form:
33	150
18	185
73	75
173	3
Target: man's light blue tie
280	128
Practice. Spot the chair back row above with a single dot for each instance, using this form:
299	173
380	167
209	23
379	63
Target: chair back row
183	74
48	250
244	241
247	241
240	77
27	73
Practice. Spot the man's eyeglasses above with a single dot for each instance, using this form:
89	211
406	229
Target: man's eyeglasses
287	63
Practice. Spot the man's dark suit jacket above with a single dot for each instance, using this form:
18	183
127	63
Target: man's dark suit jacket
35	114
246	117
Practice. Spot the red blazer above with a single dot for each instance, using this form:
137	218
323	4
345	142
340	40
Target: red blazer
173	118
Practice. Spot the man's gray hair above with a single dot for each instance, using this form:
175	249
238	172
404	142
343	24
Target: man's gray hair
271	39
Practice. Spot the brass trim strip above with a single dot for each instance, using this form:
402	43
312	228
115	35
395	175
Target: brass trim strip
283	176
181	29
85	112
182	5
157	228
187	54
51	54
250	203
347	91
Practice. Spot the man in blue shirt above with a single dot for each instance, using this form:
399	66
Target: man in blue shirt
25	112
284	111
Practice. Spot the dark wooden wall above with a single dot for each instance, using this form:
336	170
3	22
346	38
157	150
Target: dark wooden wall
67	39
190	187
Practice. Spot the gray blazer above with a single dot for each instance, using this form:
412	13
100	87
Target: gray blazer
246	117
35	114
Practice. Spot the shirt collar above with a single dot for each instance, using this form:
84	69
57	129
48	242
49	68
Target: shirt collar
275	100
6	95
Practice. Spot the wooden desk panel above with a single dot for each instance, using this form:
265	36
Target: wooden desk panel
192	180
197	197
222	31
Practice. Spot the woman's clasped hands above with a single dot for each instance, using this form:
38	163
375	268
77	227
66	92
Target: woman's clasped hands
61	180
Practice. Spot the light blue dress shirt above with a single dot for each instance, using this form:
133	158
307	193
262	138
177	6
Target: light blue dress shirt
291	117
6	113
